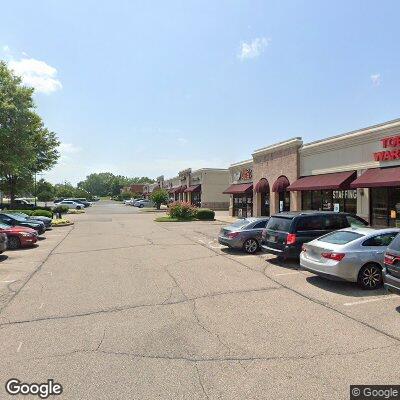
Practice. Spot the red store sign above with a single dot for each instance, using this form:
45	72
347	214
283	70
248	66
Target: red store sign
392	143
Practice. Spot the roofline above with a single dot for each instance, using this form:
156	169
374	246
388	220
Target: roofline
355	133
239	163
287	143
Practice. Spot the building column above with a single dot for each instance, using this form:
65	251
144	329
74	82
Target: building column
295	201
231	205
257	204
274	202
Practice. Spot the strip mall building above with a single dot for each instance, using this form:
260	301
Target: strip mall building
358	172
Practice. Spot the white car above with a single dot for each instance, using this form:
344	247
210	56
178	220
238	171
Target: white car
70	204
143	203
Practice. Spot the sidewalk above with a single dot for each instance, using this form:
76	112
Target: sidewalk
223	216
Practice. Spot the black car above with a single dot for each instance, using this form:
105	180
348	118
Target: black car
391	271
286	232
46	220
17	220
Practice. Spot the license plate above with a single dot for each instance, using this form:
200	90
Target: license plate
272	239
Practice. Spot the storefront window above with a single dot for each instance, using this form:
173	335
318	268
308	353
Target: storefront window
330	200
265	211
243	205
385	207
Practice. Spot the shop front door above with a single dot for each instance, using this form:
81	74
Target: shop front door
265	210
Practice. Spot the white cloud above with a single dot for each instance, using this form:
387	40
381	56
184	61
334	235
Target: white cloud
37	74
376	79
68	148
252	49
6	48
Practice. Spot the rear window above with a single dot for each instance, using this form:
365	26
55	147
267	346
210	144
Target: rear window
395	245
240	223
340	237
279	224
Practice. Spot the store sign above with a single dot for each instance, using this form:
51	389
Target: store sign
344	194
243	175
392	143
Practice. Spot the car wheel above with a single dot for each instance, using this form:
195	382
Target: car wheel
250	246
370	277
13	243
78	207
141	206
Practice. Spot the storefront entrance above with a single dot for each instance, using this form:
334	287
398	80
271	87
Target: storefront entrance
196	199
284	201
385	207
243	205
265	209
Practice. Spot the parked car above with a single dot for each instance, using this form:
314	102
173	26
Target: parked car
143	203
350	254
391	271
288	231
3	242
243	234
46	220
16	220
70	204
18	236
82	201
130	202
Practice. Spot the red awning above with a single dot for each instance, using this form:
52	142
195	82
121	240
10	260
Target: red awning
337	180
239	188
262	186
181	189
378	177
191	189
173	189
280	184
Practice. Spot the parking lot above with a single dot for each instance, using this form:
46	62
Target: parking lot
119	306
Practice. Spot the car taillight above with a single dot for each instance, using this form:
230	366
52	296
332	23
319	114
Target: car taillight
389	259
291	238
333	256
233	235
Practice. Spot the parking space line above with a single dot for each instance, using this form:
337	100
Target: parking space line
41	306
387	297
19	347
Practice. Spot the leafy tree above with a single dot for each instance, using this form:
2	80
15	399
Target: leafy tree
159	197
28	147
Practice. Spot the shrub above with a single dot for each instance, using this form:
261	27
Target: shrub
73	211
181	210
42	213
60	222
205	214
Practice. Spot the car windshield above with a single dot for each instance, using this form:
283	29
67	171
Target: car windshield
395	245
340	237
4	226
279	224
16	217
240	223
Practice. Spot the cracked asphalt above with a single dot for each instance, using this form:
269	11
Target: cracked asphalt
121	307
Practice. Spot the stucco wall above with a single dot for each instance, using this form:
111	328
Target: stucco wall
213	183
351	151
234	170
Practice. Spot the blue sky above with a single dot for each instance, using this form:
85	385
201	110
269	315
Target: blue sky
150	88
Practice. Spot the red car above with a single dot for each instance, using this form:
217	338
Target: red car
18	236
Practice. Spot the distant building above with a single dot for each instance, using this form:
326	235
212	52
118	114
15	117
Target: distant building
134	188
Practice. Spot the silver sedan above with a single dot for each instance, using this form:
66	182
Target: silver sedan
350	254
244	234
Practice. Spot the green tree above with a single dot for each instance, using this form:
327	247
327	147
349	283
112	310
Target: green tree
159	197
28	147
45	191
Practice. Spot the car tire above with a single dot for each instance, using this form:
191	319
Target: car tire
370	276
250	246
13	243
141	206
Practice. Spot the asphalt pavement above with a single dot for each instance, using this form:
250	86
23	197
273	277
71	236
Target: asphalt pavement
121	307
